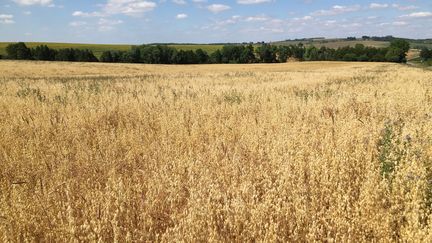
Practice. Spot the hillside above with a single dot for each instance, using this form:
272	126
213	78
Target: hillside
336	43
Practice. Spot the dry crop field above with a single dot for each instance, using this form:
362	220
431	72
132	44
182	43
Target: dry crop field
222	153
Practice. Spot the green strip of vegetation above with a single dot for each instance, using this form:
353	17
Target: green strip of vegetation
264	53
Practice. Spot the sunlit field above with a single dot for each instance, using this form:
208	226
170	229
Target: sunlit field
296	152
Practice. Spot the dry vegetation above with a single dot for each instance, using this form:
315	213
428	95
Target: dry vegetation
231	153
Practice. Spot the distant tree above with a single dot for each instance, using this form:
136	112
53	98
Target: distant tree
247	55
106	57
401	44
327	54
298	51
267	53
186	57
216	57
135	54
365	37
66	54
18	51
378	58
397	51
349	57
231	53
359	49
44	53
283	53
125	57
394	55
425	54
311	54
75	55
363	58
117	56
202	56
85	56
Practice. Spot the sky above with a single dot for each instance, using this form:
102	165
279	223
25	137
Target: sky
209	21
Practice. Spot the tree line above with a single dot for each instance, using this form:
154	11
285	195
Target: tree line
426	54
264	53
20	51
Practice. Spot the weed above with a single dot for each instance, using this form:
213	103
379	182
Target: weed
30	92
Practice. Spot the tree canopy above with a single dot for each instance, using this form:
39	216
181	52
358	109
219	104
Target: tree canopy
233	53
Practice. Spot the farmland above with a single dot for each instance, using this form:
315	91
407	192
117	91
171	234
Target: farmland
311	151
336	43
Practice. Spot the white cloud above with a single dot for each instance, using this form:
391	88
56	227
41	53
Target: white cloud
181	16
400	23
33	2
108	24
129	7
378	5
418	15
252	1
304	18
126	7
84	14
6	19
256	19
217	8
77	23
103	21
179	2
336	9
404	8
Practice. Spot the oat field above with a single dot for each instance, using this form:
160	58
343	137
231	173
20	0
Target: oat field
296	152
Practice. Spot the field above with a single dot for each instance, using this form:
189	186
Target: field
99	48
337	43
297	152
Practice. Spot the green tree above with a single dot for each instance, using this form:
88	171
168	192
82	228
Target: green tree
202	56
311	54
283	53
44	53
394	55
267	53
18	51
425	54
349	57
106	57
247	55
397	51
401	44
216	57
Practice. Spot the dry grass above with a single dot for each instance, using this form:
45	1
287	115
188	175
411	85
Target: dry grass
232	153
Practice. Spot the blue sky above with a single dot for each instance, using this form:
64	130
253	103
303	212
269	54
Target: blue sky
209	21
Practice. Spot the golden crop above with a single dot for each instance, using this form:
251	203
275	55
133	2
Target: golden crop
223	153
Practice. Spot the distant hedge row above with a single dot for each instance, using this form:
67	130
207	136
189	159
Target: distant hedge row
20	51
265	53
426	54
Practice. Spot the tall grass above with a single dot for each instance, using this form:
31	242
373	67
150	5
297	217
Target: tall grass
224	153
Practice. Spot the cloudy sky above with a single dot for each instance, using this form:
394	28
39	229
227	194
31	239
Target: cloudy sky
209	21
